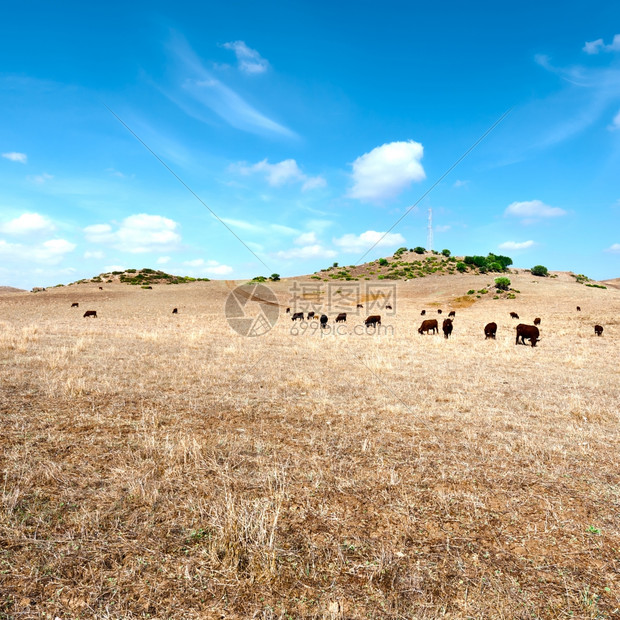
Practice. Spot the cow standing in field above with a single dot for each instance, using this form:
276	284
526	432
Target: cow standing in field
536	321
360	306
447	327
452	313
578	308
429	325
175	311
514	315
373	320
490	329
423	313
324	320
598	330
297	316
101	288
310	315
288	311
92	313
439	311
388	307
341	318
75	304
529	332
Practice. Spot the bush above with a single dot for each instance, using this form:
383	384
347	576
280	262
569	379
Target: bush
462	267
502	284
446	252
335	265
471	291
274	277
383	262
419	250
539	270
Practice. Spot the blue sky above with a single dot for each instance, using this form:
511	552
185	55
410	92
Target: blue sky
308	129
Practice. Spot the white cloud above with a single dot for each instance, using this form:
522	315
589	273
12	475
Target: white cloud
359	243
615	124
286	171
306	239
197	262
49	252
309	251
109	268
137	234
219	270
249	60
96	254
442	228
533	209
459	183
162	260
22	158
594	47
386	171
614	249
516	245
39	179
27	223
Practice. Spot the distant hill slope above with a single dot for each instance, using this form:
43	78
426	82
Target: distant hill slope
11	289
614	282
139	277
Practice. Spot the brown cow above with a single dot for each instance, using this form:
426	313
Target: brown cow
310	315
92	313
428	325
527	331
175	311
536	321
598	330
452	313
447	327
490	329
288	311
101	288
374	320
341	318
75	304
423	313
514	315
297	315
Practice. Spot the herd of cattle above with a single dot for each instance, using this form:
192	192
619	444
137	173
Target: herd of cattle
524	332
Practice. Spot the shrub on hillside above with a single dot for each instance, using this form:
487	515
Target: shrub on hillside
446	252
502	283
383	262
539	270
462	267
419	250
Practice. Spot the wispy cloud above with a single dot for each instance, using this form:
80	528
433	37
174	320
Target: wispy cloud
22	158
351	243
533	209
594	47
516	245
196	89
39	179
615	123
95	254
27	223
284	172
614	248
386	171
248	59
49	252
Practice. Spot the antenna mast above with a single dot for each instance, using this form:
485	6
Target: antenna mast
429	238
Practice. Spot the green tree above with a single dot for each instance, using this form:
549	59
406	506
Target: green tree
539	270
274	277
446	252
462	267
419	250
383	262
502	283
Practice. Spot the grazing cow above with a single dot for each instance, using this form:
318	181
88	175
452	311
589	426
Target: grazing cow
429	325
578	309
75	304
324	320
373	319
297	315
490	329
175	311
341	318
452	313
92	313
598	330
388	307
536	321
514	315
527	331
360	306
439	311
423	313
288	311
447	327
101	288
310	315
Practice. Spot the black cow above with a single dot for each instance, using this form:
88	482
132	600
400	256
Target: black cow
447	327
598	330
536	321
92	313
324	320
373	319
388	307
439	311
75	304
360	306
527	331
423	313
288	311
101	288
452	313
175	311
297	315
578	309
341	318
490	329
310	315
429	325
514	315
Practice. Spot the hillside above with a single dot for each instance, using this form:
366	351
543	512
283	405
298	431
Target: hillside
10	289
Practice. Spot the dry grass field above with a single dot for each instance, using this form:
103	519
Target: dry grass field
160	466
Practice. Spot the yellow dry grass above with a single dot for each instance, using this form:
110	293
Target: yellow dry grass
163	466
